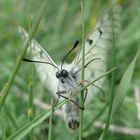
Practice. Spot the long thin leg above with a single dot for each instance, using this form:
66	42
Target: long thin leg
59	93
81	82
100	90
86	90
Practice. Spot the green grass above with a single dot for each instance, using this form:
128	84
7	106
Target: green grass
50	121
83	71
59	27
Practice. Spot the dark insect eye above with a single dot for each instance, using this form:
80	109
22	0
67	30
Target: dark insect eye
64	73
57	74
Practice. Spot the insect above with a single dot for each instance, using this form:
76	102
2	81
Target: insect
62	80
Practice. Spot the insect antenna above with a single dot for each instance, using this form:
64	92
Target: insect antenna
74	46
88	63
36	61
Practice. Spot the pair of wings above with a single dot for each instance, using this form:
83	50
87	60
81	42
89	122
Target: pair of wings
96	46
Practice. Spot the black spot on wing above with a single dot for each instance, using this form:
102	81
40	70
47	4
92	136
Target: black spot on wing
90	41
73	75
100	31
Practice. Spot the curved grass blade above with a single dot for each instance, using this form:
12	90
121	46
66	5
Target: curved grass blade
122	90
27	128
124	84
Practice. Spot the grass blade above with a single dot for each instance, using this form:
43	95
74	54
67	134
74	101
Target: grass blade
50	121
83	72
28	127
103	136
124	84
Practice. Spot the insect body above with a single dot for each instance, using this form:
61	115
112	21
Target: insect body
62	79
67	86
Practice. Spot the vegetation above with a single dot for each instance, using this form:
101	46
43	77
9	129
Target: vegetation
56	25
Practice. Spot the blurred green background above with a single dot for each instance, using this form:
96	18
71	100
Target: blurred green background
60	27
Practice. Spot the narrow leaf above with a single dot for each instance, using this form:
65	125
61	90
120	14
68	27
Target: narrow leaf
124	84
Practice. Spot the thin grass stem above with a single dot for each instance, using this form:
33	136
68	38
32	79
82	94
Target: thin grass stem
103	137
83	72
4	125
30	99
50	121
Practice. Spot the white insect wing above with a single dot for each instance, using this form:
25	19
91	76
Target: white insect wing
65	83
